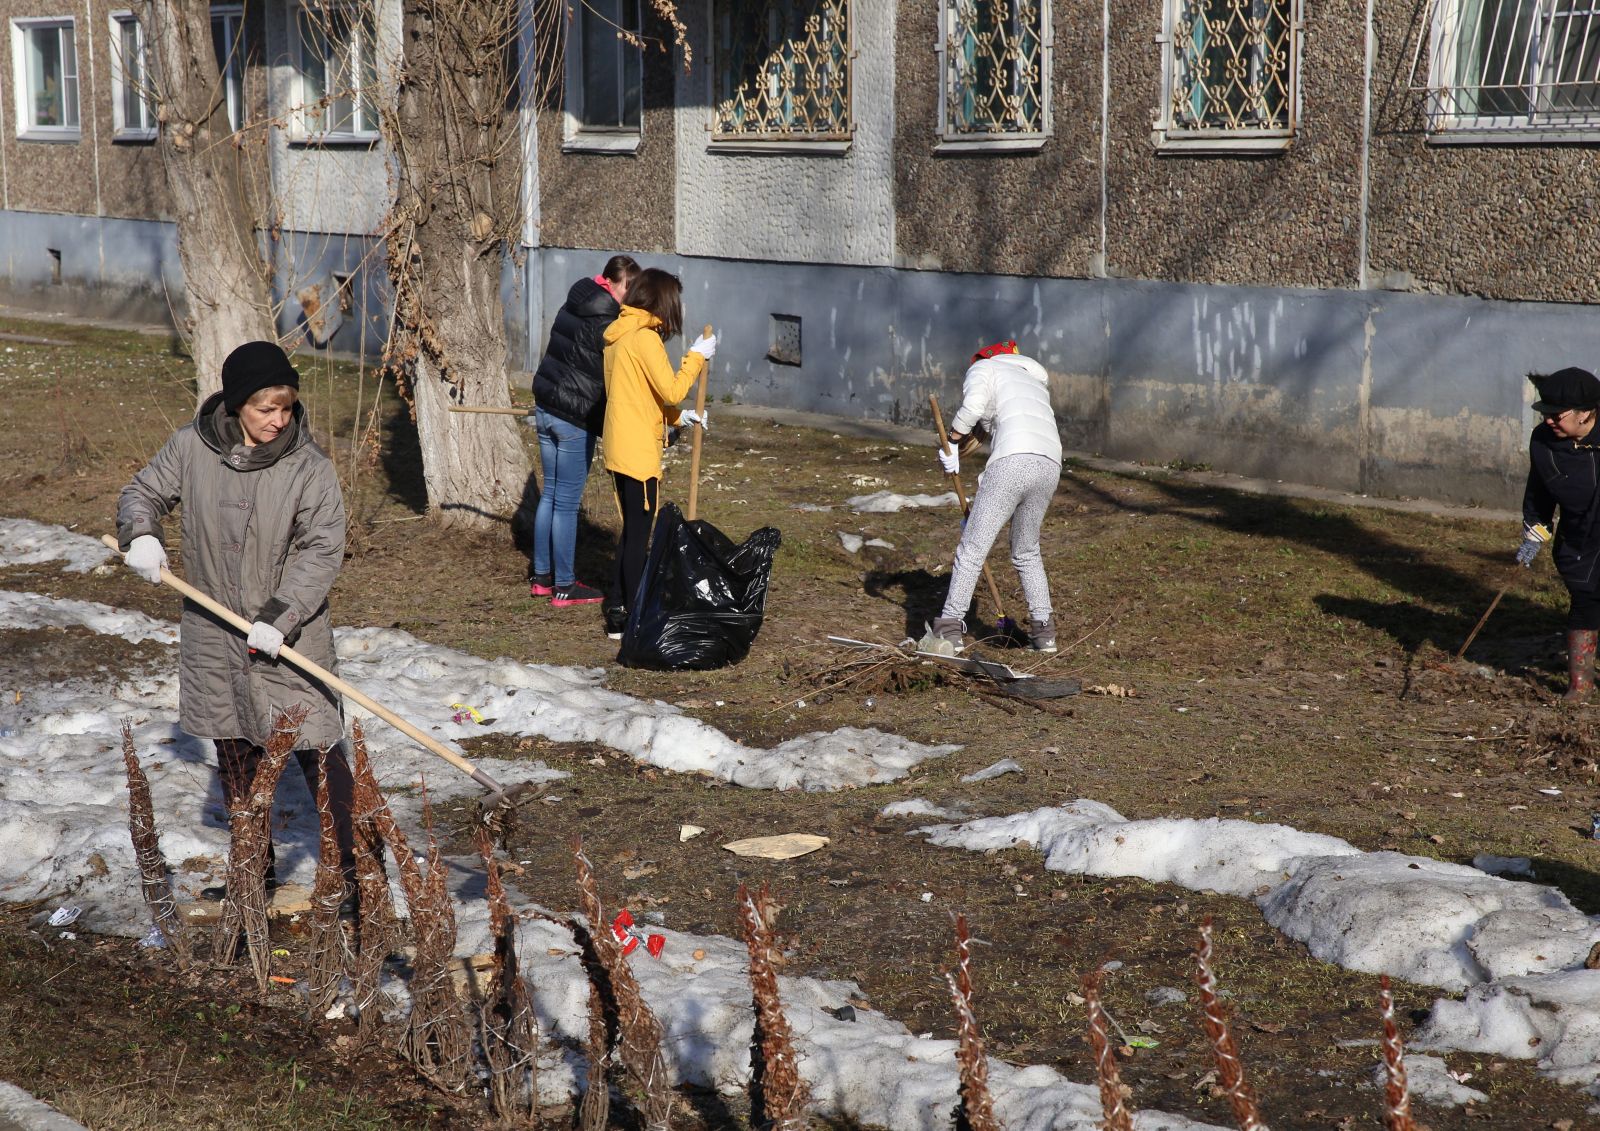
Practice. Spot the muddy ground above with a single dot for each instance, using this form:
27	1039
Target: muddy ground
1289	661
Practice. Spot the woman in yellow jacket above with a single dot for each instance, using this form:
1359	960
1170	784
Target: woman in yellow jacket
642	394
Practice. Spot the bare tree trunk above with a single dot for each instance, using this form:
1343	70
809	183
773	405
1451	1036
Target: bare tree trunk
209	173
457	211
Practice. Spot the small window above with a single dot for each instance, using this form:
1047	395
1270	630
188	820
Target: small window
781	71
338	73
995	61
133	104
1515	70
604	74
1230	75
45	64
227	40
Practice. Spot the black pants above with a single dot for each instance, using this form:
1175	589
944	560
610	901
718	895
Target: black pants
1585	611
637	498
237	760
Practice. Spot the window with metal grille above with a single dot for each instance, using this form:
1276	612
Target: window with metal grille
338	72
45	56
1515	66
227	41
604	75
133	104
782	70
1231	73
995	63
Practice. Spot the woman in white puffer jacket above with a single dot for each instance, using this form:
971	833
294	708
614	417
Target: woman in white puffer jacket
1008	395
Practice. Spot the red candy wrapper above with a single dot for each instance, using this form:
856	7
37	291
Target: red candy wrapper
654	945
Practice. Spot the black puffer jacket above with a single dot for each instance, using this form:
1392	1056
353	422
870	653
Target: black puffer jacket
1565	474
570	382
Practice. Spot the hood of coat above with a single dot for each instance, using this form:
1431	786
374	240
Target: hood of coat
220	431
632	318
1015	364
588	299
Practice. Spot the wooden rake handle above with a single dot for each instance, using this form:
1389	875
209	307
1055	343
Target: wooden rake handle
694	444
318	672
966	511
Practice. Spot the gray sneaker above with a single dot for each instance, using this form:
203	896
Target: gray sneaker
1042	635
947	630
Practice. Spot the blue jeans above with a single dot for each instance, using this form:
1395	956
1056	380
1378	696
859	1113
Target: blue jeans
564	453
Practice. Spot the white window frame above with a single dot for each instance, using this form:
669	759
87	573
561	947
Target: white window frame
578	137
303	127
231	67
21	29
952	139
1170	136
1446	125
121	129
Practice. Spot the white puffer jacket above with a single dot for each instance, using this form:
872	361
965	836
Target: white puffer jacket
1010	396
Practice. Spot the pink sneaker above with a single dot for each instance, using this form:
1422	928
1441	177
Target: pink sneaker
577	593
542	585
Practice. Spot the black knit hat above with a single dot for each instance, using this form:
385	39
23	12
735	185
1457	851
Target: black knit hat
255	366
1564	389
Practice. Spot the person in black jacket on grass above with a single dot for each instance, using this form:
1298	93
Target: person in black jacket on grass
1564	474
569	388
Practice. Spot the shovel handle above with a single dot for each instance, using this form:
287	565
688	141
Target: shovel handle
694	444
1484	619
318	672
961	495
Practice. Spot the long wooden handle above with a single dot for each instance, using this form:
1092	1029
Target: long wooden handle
318	672
694	446
1484	619
966	511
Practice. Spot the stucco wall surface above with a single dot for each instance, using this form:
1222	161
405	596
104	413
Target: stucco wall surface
110	268
1028	213
618	200
57	176
836	208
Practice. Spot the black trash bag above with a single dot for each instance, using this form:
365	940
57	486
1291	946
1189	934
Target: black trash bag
701	598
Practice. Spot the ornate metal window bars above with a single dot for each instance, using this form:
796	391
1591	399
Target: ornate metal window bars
1520	69
1232	70
782	70
995	68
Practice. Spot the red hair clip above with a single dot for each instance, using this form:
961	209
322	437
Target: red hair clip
997	348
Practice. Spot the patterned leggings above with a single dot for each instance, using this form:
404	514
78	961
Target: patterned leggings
1015	489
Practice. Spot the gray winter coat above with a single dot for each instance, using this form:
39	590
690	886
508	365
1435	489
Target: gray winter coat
263	534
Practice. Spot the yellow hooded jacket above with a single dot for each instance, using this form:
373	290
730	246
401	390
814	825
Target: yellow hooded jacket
642	392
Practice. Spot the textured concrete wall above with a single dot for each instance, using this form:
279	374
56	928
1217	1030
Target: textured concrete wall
829	208
611	201
110	268
58	176
1023	213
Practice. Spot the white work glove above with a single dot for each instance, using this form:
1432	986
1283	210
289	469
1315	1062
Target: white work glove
689	417
147	557
264	638
705	345
949	459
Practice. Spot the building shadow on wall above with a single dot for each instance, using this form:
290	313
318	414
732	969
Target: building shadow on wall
1437	604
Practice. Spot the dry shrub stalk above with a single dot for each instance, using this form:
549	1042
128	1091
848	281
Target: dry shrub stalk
777	1093
977	1105
638	1032
1105	1057
154	882
508	1028
1230	1070
244	910
380	932
1396	1095
437	1040
329	955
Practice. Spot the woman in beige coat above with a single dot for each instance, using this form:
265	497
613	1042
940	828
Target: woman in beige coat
263	532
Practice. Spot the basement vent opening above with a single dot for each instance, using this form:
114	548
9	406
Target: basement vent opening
347	302
55	265
784	347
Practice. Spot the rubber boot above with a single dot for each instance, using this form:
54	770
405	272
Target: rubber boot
1580	664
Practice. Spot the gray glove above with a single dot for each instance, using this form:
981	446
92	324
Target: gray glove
1533	539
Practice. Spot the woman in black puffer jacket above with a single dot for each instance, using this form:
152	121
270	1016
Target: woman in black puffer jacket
569	388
